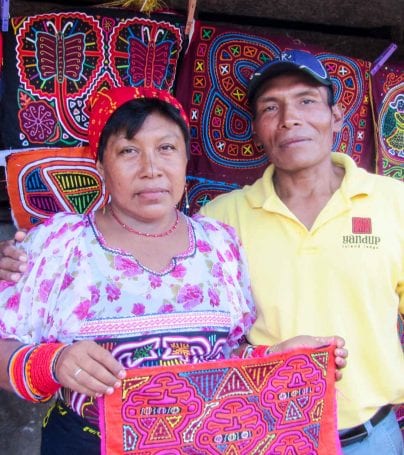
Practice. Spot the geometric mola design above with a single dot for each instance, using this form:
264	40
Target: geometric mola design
80	187
61	186
130	438
313	432
391	120
42	182
206	382
321	359
227	418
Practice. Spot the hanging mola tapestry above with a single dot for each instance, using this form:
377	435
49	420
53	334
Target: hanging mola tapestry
54	63
41	182
388	103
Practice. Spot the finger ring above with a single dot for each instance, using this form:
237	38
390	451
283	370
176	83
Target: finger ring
78	371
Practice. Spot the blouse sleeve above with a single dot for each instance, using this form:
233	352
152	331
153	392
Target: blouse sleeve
247	309
242	308
27	308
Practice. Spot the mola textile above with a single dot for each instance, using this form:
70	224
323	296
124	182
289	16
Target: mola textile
42	182
282	403
388	105
54	63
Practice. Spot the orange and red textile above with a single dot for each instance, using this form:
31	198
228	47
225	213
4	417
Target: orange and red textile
283	403
42	182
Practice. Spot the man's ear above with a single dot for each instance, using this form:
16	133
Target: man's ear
338	117
256	139
100	168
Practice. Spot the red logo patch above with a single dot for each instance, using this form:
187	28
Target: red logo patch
361	225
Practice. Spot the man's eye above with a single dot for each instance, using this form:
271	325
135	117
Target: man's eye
167	147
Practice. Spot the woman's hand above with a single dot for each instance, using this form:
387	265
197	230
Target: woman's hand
305	341
88	368
12	260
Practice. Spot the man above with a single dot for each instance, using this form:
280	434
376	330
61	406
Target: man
325	244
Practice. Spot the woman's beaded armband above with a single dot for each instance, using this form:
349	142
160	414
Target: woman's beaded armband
31	371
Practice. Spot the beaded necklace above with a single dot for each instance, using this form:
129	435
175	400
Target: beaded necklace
146	234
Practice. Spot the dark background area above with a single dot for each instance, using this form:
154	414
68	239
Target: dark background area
361	29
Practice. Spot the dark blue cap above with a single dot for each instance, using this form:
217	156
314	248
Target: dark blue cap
287	61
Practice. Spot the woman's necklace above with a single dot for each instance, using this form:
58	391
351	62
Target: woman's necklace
146	234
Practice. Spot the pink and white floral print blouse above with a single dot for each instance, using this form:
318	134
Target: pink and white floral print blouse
76	288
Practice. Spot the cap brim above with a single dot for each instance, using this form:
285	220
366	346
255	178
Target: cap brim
279	68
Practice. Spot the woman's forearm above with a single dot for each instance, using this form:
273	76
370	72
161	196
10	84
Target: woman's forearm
7	348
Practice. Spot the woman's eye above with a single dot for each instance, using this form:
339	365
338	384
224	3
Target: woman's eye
308	101
128	151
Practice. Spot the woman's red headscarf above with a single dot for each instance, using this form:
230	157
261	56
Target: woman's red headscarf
106	102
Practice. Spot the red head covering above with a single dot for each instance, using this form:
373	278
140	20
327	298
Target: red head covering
106	102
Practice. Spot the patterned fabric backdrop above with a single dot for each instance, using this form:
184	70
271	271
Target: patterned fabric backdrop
212	85
284	403
42	182
388	103
55	62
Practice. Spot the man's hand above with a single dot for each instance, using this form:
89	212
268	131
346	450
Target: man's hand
304	341
88	368
12	260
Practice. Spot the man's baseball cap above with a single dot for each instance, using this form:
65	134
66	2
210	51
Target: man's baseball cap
287	61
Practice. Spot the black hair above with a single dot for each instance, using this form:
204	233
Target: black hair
130	117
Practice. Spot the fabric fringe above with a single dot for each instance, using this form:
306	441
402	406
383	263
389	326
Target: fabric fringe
144	6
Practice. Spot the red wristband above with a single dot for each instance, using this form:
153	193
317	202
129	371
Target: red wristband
261	351
30	371
39	369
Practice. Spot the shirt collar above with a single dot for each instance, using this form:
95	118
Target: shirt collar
262	192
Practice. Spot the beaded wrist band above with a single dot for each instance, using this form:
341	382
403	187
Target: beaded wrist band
16	369
31	371
255	351
261	351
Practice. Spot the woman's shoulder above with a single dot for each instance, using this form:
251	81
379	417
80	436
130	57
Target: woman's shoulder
212	227
60	225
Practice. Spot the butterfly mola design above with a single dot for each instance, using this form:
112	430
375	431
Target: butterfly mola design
60	56
149	58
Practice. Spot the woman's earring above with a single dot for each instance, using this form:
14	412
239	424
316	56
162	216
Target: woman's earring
186	198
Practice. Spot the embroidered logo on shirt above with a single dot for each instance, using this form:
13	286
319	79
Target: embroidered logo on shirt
361	235
361	225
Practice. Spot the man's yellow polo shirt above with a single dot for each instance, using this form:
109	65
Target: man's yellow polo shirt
344	276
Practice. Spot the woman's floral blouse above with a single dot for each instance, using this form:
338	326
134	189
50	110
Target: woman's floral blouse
76	288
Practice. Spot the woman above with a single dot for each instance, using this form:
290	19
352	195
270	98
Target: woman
134	284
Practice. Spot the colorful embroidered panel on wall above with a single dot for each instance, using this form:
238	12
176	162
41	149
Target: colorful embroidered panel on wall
45	181
212	85
388	102
54	62
284	403
201	190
